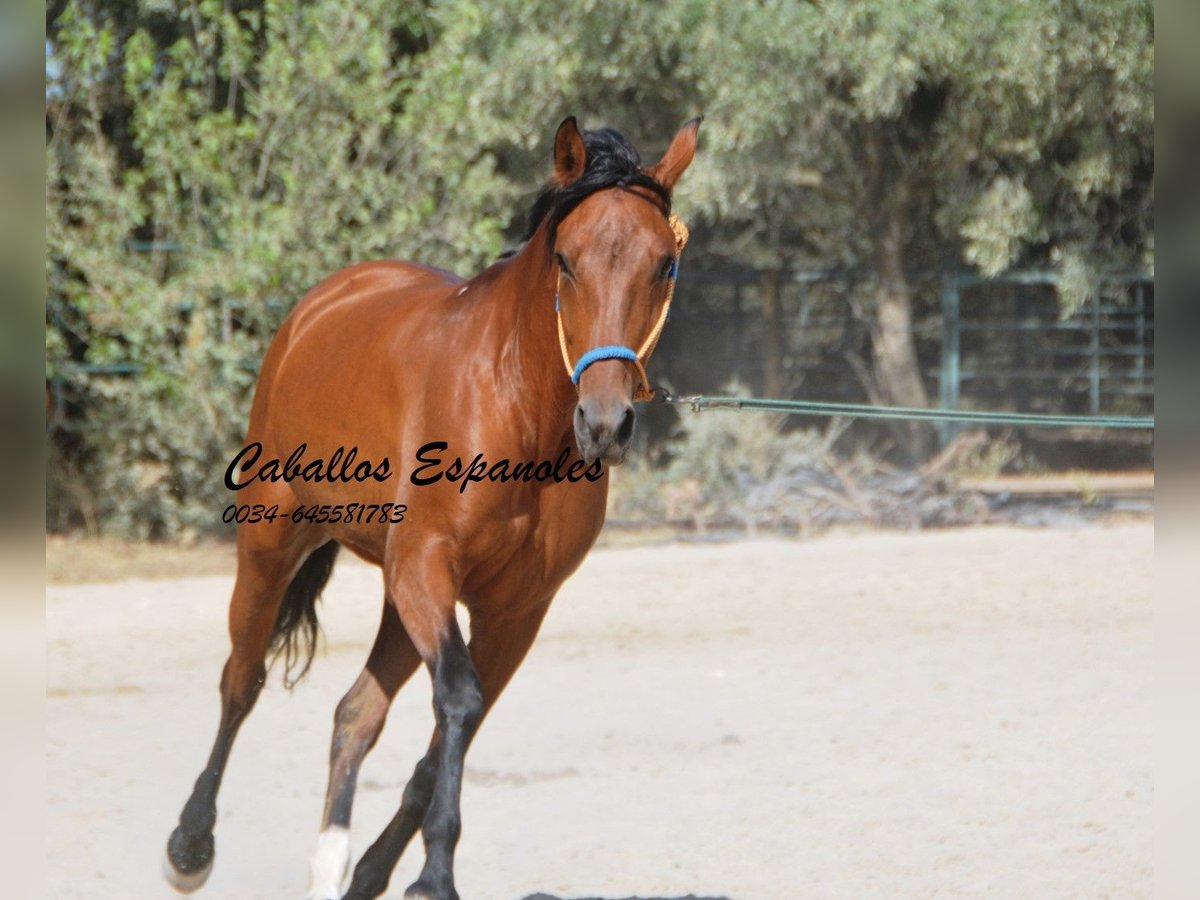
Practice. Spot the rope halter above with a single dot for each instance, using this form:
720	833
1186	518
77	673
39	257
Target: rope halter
640	356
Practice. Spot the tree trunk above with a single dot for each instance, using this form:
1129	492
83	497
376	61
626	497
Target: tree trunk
773	336
897	371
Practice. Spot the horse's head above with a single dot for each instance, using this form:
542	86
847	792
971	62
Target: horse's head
616	256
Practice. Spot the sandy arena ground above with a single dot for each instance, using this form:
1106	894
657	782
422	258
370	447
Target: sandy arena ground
950	714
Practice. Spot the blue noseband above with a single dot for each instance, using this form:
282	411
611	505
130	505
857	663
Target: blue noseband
613	351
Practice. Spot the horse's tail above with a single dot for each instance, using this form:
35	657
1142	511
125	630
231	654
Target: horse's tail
296	627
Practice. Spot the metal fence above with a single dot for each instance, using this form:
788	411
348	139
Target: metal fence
983	343
1094	358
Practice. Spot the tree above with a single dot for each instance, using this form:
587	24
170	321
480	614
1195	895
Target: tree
889	136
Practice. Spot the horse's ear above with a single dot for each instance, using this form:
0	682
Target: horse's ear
678	156
570	156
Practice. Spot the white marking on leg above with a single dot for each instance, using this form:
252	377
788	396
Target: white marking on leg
330	864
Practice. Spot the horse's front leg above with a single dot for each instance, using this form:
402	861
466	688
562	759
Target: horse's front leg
458	709
422	583
498	645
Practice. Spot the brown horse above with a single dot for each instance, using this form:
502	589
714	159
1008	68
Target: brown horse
464	485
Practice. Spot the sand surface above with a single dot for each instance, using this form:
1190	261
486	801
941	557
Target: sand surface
950	714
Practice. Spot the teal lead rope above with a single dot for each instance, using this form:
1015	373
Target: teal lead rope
866	411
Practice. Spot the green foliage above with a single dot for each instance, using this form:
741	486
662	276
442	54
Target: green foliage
504	73
259	152
1011	131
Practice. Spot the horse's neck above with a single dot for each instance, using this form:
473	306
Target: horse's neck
531	361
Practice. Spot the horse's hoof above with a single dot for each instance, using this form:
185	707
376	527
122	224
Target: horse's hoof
422	891
185	882
188	861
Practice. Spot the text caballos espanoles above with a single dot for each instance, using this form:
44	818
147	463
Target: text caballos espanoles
344	467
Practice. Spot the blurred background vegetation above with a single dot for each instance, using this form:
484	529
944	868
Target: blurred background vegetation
208	161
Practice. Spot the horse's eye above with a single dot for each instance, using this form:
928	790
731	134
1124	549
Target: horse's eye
667	268
562	263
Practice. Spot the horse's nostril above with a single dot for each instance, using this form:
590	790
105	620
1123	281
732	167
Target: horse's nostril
625	431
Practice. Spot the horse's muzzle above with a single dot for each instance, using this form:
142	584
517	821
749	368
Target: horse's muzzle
604	429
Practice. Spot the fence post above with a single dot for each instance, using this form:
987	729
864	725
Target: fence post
773	322
1094	348
948	375
1139	366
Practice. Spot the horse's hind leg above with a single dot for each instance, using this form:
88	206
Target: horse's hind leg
263	576
356	726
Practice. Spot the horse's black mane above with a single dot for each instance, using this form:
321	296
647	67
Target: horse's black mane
611	162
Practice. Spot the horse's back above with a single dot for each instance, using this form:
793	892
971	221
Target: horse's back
357	300
343	329
398	280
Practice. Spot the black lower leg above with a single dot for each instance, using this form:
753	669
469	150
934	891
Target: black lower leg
190	847
375	868
458	706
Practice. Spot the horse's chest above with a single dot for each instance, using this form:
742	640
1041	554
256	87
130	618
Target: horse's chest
534	552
